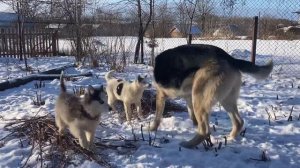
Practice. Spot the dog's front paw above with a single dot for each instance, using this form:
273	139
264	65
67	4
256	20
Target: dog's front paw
153	127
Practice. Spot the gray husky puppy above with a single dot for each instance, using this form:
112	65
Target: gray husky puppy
202	75
128	92
80	114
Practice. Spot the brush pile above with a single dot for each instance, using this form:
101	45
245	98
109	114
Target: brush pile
51	149
48	149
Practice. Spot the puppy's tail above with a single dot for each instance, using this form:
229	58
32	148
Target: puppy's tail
108	75
257	71
62	84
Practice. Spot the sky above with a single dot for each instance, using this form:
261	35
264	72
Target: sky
276	8
5	8
249	8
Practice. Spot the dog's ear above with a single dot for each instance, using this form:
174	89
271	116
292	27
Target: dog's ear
90	90
101	88
139	78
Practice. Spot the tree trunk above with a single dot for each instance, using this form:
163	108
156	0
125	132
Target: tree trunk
78	10
140	43
142	49
137	51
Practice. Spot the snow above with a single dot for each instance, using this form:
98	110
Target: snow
276	95
12	68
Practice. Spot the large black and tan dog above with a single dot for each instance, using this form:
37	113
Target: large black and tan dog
202	75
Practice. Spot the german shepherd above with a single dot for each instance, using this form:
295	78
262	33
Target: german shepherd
80	114
202	75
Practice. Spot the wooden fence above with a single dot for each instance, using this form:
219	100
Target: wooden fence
31	43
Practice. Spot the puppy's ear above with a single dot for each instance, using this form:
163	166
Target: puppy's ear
90	90
139	78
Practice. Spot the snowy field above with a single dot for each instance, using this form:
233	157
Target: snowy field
264	105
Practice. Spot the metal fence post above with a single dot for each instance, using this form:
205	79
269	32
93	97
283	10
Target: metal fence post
254	39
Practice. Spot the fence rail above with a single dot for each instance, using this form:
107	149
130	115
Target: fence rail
32	43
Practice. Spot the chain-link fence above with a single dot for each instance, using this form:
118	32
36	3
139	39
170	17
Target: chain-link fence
110	29
232	30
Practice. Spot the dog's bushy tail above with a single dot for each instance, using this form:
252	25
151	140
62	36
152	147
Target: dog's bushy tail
62	84
108	75
257	71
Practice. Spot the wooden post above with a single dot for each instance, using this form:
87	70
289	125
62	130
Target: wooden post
190	39
54	43
2	47
20	31
254	40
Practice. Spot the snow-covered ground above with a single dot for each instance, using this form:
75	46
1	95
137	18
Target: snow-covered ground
11	68
279	140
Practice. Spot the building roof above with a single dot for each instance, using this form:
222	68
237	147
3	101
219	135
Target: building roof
6	19
195	30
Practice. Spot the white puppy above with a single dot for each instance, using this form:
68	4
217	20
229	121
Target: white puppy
81	115
128	92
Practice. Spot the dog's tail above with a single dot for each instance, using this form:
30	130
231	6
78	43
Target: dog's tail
62	84
108	75
257	71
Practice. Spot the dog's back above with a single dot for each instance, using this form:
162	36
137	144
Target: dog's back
174	65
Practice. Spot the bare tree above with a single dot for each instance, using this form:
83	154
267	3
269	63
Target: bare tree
205	8
229	5
187	9
139	50
164	19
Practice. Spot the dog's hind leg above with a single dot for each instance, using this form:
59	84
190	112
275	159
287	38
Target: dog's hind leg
191	110
160	106
230	105
204	89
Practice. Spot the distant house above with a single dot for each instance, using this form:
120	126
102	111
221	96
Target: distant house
196	31
227	31
175	32
8	19
289	32
55	26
